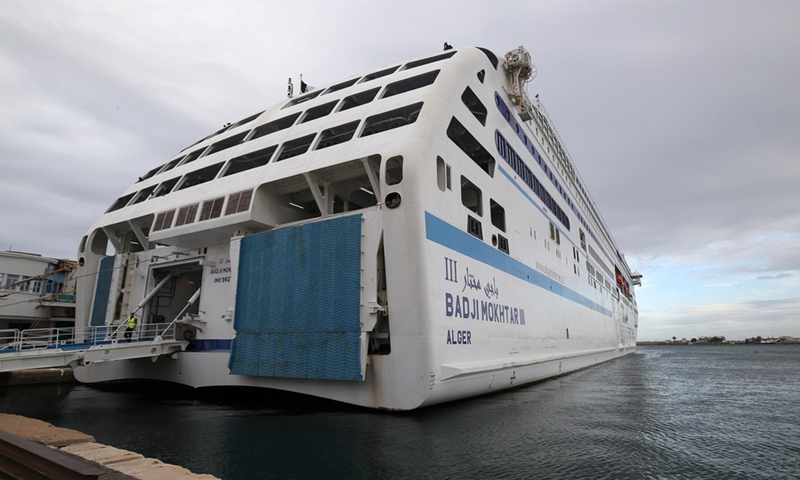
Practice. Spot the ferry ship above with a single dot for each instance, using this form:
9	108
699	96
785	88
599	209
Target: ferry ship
414	235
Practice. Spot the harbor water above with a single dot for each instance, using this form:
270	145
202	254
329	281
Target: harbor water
665	412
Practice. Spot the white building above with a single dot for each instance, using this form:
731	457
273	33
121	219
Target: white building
35	291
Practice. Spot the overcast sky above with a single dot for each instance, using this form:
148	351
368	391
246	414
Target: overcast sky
683	118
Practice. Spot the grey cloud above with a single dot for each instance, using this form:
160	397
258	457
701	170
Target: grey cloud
682	117
774	277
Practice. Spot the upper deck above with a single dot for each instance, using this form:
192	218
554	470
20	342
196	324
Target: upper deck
261	171
322	153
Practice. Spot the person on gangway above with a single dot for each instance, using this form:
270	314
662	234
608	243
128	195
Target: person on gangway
131	326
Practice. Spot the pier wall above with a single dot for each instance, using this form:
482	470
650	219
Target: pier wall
35	450
37	377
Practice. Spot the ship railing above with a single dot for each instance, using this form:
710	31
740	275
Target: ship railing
71	338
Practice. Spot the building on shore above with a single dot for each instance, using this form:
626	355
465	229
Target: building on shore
35	291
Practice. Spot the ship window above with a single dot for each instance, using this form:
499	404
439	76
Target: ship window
409	84
201	176
193	156
121	202
474	105
474	227
163	220
304	98
144	195
211	208
170	165
250	160
379	74
425	61
336	135
186	215
358	99
226	143
471	196
391	119
481	75
449	178
150	173
224	128
498	215
525	174
394	170
340	86
274	126
165	187
583	239
490	55
502	244
295	147
318	112
443	174
555	234
246	120
469	145
239	202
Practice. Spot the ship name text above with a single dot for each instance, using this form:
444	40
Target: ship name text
460	306
222	272
459	337
549	272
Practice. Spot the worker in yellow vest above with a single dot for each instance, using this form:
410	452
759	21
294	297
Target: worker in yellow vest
131	326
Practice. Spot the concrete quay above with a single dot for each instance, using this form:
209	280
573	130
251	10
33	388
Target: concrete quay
38	376
31	449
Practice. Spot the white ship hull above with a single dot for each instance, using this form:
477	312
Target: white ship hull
459	277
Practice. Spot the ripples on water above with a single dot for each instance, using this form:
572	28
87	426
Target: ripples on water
678	412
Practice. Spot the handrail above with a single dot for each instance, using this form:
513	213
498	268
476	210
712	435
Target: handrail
15	340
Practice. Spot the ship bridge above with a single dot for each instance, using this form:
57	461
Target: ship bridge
59	347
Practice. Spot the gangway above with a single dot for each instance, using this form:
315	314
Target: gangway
59	347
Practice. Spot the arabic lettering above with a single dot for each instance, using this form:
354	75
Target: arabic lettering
491	289
471	282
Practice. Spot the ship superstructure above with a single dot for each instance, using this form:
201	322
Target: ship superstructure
402	238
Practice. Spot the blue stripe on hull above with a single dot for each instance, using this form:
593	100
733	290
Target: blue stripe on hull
441	232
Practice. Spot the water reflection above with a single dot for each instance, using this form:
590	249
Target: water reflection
665	412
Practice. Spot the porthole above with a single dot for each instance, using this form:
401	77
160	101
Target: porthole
393	200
